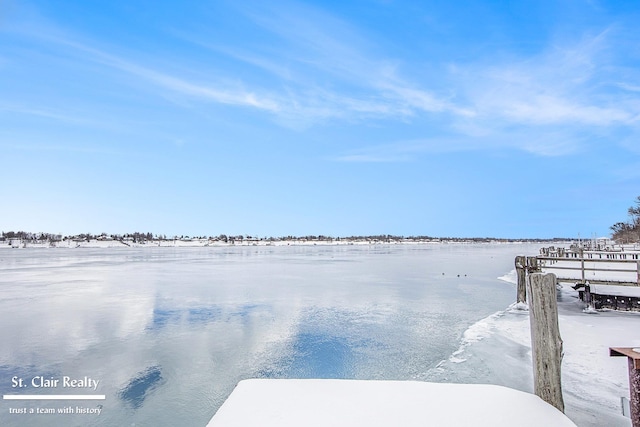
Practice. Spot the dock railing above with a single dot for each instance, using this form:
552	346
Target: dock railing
577	265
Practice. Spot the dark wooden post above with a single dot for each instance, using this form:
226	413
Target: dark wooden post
582	264
521	275
546	343
587	296
633	359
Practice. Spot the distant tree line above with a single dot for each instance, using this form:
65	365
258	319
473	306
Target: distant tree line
26	235
141	237
628	232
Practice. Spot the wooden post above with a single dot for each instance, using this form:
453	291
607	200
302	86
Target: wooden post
521	279
582	263
546	344
587	296
633	359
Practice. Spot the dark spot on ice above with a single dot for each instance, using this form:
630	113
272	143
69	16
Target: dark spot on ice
139	387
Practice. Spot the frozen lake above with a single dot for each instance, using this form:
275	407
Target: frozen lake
168	332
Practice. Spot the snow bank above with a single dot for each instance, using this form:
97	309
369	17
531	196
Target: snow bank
285	403
510	277
592	381
624	291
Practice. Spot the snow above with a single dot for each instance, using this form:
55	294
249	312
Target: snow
591	378
592	381
473	334
510	277
627	291
284	403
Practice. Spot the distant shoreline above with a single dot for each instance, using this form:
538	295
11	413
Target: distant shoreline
130	242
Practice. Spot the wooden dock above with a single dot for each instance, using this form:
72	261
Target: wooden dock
603	278
595	266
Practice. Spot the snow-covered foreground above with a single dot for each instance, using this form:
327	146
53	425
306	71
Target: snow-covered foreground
593	382
288	403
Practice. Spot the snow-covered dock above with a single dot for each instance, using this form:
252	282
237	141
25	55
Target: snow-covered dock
577	264
605	278
329	402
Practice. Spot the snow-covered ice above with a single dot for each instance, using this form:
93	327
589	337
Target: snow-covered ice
190	323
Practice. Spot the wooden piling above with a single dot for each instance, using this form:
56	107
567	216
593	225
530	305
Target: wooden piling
546	343
521	279
587	297
582	264
633	360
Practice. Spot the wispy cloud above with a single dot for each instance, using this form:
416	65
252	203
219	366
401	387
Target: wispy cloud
401	151
372	158
219	93
553	100
565	86
552	89
44	113
176	84
314	67
629	86
38	147
332	63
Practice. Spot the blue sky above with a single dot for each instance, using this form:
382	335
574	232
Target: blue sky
483	118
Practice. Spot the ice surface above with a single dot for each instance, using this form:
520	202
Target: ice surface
171	331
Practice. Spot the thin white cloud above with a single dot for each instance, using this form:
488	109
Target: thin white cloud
337	52
548	102
43	112
224	94
47	146
176	84
629	86
329	73
263	61
326	69
550	109
560	86
369	158
539	142
400	151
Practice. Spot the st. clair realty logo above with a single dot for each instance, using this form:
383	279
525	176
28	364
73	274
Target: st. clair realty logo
40	381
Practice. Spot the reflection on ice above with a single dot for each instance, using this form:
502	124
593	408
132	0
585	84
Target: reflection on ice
170	332
321	356
140	386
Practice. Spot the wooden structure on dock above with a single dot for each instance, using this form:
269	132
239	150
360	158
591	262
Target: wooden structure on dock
633	361
603	278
